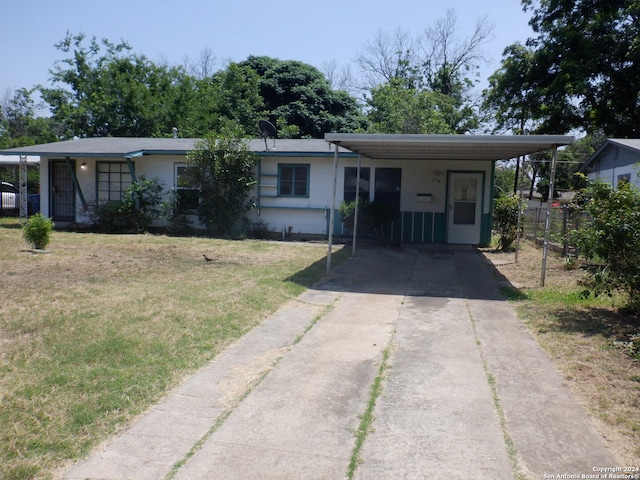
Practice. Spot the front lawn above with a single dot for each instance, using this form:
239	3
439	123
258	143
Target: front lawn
97	329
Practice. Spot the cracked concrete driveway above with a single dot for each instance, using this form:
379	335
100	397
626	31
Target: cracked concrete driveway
466	392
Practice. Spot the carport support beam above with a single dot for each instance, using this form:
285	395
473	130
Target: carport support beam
547	222
22	184
355	211
333	207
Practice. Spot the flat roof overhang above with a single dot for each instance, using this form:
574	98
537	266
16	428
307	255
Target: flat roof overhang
446	147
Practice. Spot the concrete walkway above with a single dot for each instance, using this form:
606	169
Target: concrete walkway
467	392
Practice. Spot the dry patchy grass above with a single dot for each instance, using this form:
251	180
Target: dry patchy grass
97	329
585	338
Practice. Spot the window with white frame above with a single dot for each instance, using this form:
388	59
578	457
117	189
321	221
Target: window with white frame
293	180
113	179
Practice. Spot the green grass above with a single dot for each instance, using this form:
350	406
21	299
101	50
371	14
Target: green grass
97	330
367	417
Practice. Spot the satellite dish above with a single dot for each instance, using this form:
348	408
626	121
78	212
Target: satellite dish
267	129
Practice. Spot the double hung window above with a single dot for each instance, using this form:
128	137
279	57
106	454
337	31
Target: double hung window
293	180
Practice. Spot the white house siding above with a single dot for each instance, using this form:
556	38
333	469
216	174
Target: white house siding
310	215
161	167
423	218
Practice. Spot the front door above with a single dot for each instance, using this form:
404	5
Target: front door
465	208
62	190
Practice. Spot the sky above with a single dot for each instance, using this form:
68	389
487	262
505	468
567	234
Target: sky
170	31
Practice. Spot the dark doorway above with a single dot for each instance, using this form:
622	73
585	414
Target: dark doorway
62	190
387	188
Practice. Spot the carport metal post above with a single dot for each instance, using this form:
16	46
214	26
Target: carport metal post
520	189
333	206
22	184
355	211
547	222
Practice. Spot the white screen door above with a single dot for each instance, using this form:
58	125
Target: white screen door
465	208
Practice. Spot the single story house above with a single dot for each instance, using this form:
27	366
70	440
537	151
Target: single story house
616	160
440	185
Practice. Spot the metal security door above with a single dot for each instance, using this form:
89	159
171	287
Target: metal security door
465	208
63	192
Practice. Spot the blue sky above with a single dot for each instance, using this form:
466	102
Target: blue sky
312	32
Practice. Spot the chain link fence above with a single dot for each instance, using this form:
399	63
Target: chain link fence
564	219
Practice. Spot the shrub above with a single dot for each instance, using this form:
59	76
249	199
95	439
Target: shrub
37	231
222	166
505	220
610	237
140	205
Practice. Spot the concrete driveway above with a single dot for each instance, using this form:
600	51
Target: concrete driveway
466	391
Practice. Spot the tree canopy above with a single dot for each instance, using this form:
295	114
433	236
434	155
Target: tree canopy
104	89
19	125
424	84
298	94
581	71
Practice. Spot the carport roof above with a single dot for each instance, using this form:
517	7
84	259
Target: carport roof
446	147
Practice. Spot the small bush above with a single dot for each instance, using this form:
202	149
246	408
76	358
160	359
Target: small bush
37	231
505	220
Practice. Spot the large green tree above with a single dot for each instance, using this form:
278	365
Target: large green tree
228	97
581	70
103	89
298	94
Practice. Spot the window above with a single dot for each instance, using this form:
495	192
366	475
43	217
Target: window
350	179
293	180
187	192
624	178
114	178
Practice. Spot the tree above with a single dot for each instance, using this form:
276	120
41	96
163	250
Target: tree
228	97
397	109
584	66
204	66
437	70
223	168
610	234
451	63
19	125
569	160
387	56
298	94
109	91
510	99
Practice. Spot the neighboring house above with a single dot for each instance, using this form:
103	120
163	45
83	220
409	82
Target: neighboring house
441	185
617	159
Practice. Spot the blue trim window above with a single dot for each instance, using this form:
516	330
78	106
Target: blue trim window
293	180
113	179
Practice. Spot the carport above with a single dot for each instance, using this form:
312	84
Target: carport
426	148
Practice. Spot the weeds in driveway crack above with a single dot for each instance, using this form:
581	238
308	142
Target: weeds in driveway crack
219	421
366	419
226	413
